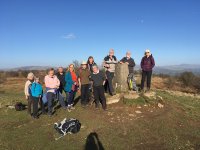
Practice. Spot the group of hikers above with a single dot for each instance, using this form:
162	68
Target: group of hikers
88	80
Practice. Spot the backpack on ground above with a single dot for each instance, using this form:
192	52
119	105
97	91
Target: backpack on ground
70	126
19	106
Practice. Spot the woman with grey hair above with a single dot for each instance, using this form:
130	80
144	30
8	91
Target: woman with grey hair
27	90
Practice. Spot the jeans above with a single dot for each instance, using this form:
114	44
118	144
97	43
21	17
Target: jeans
50	98
35	106
110	76
99	96
146	74
61	99
71	96
131	78
85	93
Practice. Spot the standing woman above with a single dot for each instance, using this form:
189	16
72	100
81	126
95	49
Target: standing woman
71	86
52	84
27	91
90	63
147	65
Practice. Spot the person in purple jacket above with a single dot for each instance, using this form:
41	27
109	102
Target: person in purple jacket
147	65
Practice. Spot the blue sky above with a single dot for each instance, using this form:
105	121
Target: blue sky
55	32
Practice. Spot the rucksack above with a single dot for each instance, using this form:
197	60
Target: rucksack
70	126
19	106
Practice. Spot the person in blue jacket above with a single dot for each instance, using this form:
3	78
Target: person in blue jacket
36	91
71	86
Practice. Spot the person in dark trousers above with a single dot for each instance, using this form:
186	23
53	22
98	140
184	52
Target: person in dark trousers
84	83
109	63
147	64
27	91
131	64
52	84
36	90
90	63
61	76
71	86
98	78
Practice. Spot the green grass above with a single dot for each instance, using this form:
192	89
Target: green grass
176	126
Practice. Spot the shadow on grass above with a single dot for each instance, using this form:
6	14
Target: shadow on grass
93	142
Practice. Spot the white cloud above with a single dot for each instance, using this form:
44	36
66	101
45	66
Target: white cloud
70	36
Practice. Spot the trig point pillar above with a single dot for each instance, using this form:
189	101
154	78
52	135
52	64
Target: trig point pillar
120	79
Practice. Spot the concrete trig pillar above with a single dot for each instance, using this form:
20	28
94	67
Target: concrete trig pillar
120	79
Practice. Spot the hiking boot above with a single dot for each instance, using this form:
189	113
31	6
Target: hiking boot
113	93
35	117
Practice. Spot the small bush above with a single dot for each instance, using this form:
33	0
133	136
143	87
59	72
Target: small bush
197	83
163	76
171	81
188	79
12	74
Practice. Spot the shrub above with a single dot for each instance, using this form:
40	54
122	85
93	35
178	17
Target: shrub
170	82
12	74
187	78
197	83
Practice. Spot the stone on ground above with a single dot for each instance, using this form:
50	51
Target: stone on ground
138	112
150	94
160	105
113	99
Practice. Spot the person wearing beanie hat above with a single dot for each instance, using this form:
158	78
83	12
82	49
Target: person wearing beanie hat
147	65
27	90
84	83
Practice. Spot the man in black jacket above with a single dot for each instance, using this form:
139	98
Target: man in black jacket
131	64
61	76
98	78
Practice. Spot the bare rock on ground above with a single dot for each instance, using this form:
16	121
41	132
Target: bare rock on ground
114	99
160	105
138	112
150	94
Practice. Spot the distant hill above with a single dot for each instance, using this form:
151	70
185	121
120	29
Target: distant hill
28	68
171	70
175	69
